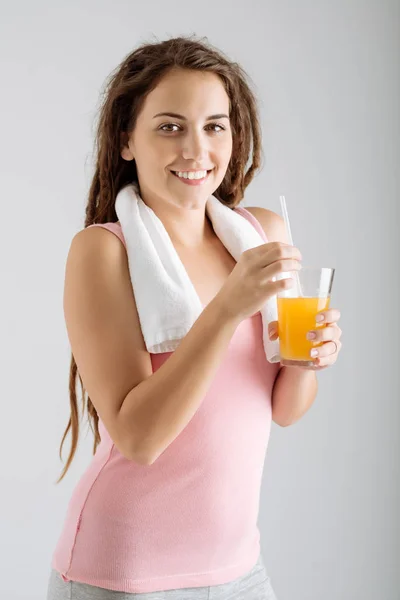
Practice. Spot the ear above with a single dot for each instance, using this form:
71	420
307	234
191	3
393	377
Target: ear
126	152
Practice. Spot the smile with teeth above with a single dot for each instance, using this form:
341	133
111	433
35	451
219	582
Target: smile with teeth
191	174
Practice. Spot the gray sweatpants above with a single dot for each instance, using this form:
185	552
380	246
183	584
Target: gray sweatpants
255	585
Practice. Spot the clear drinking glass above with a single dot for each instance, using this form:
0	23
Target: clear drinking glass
297	309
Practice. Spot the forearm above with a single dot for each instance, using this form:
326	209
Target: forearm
294	392
160	407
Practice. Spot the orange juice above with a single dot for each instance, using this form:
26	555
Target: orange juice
296	317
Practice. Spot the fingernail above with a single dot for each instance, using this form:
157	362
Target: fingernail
319	318
314	353
311	335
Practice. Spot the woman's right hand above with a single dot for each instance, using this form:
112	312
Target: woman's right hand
250	284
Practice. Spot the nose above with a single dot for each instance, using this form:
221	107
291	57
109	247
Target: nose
194	147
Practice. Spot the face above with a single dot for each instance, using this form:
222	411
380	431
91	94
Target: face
200	138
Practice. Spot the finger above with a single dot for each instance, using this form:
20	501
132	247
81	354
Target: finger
327	361
326	349
326	334
324	363
328	316
273	330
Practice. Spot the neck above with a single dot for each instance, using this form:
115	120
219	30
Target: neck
189	227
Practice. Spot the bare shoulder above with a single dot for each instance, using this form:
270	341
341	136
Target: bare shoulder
97	236
272	223
103	327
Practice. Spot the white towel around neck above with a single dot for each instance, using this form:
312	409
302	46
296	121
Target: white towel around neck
166	300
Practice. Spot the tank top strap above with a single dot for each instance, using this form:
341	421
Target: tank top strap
252	219
113	227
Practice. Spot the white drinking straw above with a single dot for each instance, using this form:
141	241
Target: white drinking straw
289	234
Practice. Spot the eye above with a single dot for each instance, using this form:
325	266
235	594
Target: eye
175	125
167	125
217	125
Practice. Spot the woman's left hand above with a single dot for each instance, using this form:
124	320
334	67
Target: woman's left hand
328	351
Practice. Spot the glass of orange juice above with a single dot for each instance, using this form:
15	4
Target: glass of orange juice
297	309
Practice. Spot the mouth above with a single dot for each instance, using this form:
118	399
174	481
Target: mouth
192	181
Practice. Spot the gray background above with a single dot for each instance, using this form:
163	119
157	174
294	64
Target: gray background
327	78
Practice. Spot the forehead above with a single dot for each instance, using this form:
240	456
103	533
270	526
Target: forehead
190	93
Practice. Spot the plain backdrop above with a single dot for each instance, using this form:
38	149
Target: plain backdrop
326	75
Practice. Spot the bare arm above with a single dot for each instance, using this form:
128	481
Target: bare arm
143	411
160	407
295	389
294	392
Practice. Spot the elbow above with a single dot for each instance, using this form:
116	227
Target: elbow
147	457
134	454
283	423
131	444
140	457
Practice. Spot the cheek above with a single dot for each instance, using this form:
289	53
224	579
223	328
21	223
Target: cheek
151	156
224	159
225	149
163	153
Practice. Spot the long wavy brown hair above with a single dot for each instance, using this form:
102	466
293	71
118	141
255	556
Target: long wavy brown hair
124	94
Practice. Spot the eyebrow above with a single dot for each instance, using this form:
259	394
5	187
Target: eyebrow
176	116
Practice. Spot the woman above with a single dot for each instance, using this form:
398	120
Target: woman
168	506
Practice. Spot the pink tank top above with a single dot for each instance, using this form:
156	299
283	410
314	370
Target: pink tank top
189	519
